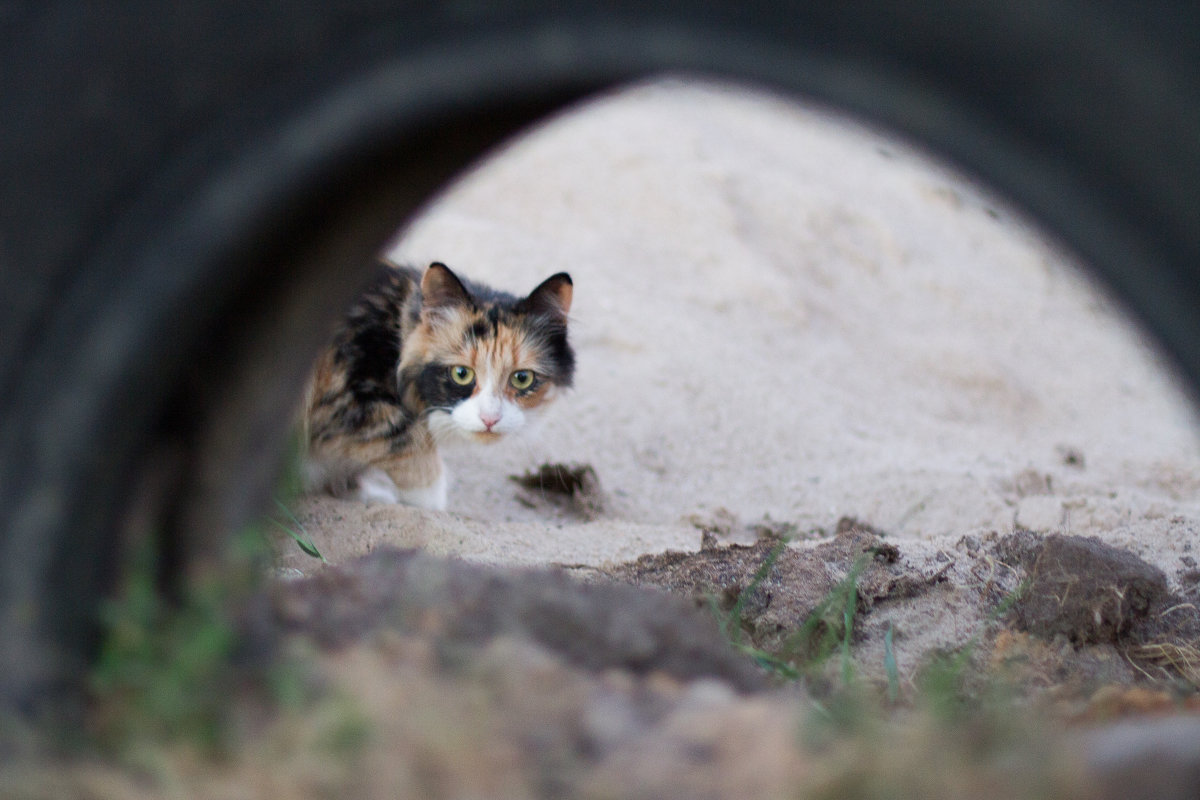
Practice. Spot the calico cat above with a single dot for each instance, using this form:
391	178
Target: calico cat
424	358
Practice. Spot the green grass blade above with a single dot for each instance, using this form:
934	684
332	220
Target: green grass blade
733	623
304	543
848	611
889	666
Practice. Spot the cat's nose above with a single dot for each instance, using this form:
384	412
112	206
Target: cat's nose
489	420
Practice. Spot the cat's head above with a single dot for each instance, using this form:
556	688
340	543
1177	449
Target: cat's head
480	363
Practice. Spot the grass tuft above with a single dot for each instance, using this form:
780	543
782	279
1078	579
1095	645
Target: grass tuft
175	664
829	628
1182	659
163	670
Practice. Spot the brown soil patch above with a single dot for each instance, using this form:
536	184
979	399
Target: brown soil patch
574	487
773	589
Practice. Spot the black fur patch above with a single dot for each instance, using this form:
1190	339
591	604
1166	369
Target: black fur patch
552	335
481	330
368	345
436	389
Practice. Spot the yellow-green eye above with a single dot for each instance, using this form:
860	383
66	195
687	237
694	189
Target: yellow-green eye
462	375
521	379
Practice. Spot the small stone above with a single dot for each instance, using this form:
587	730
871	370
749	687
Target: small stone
1071	456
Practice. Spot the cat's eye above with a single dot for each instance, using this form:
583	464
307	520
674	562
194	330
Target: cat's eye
521	379
462	375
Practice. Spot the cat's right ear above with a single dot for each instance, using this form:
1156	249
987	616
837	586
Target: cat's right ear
552	297
441	288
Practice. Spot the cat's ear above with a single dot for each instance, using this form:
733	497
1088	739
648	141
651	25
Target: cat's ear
441	288
552	297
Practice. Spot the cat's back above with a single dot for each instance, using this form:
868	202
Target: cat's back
359	364
380	305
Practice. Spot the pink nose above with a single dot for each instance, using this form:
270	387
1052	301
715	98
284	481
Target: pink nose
489	420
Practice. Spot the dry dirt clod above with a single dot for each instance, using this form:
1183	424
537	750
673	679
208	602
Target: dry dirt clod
574	485
1086	590
465	606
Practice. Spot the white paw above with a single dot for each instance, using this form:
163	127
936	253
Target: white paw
374	486
431	497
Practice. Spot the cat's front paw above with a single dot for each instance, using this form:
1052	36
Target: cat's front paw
374	486
431	497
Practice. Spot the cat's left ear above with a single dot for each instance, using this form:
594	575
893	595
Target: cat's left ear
551	297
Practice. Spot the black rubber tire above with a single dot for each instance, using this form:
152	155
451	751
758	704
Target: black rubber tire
188	195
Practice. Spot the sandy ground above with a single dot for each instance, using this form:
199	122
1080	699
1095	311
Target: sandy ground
782	314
